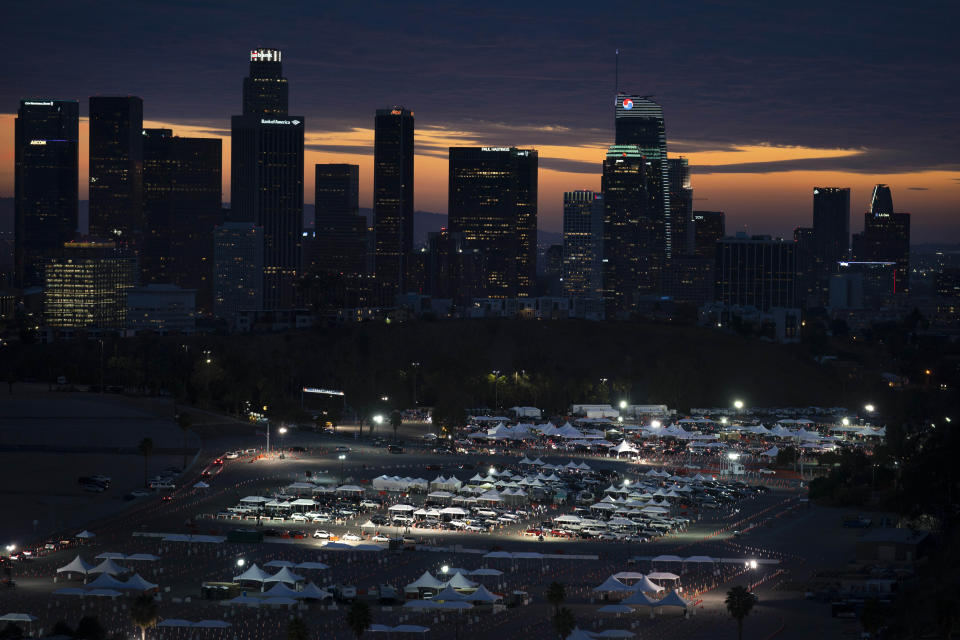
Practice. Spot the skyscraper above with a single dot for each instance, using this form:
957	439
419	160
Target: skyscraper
681	207
116	169
181	199
492	201
885	237
809	291
831	232
708	227
583	244
267	174
757	271
335	252
631	253
639	121
392	199
45	184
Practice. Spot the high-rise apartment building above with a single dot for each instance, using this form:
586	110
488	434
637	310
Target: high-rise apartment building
267	175
681	207
46	173
116	169
181	201
86	287
708	227
392	199
583	244
492	201
339	243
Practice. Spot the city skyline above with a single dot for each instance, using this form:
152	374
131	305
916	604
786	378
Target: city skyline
756	143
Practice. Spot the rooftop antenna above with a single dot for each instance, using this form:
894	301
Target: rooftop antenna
616	75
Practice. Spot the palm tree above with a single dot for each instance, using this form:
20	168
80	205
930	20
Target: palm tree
146	450
359	618
739	603
297	630
396	419
556	594
564	622
143	611
184	421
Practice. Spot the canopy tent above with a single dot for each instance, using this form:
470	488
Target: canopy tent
699	559
253	574
280	563
645	585
280	590
70	591
446	594
110	555
662	575
147	557
18	617
285	575
313	592
482	594
615	608
369	524
106	581
85	535
667	558
485	572
111	567
77	565
612	585
201	485
138	583
639	598
673	599
312	565
628	575
426	581
459	581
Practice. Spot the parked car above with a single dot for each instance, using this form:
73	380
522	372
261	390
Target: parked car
393	448
321	534
380	538
352	537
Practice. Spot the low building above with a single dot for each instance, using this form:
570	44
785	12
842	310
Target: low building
162	308
891	545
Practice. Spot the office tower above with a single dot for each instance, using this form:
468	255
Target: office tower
583	244
831	231
86	287
708	227
266	186
182	205
335	252
392	199
116	169
757	271
339	242
885	237
881	201
45	184
493	202
639	121
632	216
681	207
237	269
809	289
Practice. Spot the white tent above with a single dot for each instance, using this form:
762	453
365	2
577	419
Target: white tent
459	581
673	599
612	585
280	590
645	585
447	594
148	557
85	535
285	575
77	565
280	563
312	565
253	574
313	592
111	567
638	598
106	581
426	581
137	583
482	594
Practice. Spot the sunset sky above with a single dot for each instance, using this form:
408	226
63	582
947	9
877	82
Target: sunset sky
766	102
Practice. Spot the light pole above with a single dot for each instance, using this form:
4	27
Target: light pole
342	457
378	419
281	431
496	388
415	365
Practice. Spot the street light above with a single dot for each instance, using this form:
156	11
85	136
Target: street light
241	562
444	569
378	419
281	431
11	548
342	457
846	422
738	404
869	408
656	424
723	420
496	388
493	470
623	404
